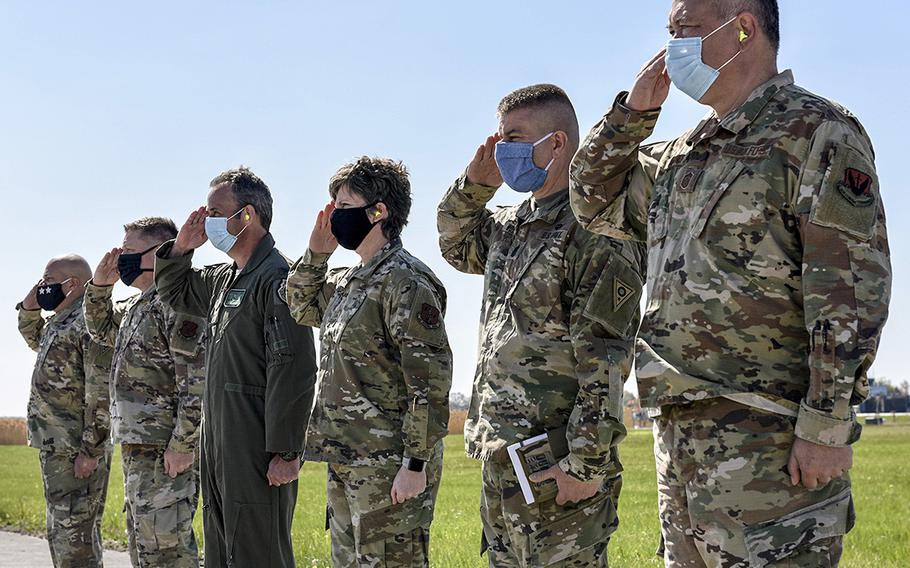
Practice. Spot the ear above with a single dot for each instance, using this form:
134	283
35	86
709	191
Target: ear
560	143
746	29
248	213
378	213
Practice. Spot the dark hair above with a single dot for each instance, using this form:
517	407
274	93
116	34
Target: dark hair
248	189
765	11
378	179
544	96
159	228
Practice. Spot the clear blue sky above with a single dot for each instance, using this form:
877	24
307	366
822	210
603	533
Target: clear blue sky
113	111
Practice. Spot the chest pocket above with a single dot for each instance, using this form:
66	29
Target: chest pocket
343	309
731	218
535	289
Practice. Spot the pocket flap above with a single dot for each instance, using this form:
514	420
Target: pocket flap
245	389
585	527
775	540
385	523
699	225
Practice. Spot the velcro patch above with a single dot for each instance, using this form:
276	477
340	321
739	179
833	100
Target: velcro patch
189	329
234	297
857	187
747	152
688	178
622	293
429	316
282	292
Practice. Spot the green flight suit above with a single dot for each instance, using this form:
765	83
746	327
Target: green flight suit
260	372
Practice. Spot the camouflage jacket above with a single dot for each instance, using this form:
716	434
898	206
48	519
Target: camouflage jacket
559	314
158	369
768	269
68	405
385	364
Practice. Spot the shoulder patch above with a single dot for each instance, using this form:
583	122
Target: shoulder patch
281	292
429	316
189	329
848	196
856	187
622	293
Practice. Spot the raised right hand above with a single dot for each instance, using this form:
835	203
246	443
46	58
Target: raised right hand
31	299
322	241
107	274
192	233
651	86
483	169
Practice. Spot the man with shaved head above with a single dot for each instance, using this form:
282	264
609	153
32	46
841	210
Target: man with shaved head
769	281
560	312
68	415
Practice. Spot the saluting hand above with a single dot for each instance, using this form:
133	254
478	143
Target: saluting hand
483	169
192	233
651	86
571	490
30	302
322	241
106	273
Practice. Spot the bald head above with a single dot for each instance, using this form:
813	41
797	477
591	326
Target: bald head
550	107
68	266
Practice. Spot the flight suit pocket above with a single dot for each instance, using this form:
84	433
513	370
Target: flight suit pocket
251	390
614	301
589	524
249	536
770	542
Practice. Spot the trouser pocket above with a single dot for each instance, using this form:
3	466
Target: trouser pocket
780	538
587	526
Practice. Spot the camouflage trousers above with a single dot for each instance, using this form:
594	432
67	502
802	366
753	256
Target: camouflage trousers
367	530
159	510
518	535
74	510
725	495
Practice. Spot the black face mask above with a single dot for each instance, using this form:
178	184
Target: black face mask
350	226
130	265
50	296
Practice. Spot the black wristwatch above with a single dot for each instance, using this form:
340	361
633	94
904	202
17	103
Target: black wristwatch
289	456
414	464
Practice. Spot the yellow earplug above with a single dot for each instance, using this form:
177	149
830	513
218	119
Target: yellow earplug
247	216
743	36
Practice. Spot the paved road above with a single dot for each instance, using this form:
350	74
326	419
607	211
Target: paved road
19	551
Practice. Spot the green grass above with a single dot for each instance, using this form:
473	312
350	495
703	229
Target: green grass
881	484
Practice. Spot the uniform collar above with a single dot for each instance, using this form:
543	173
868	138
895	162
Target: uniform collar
75	307
740	118
546	210
261	252
367	270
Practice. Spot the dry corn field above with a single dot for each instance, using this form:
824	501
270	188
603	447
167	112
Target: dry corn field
456	421
12	432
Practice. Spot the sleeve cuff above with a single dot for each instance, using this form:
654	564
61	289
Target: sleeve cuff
96	291
576	467
314	258
622	115
824	429
478	194
27	313
181	447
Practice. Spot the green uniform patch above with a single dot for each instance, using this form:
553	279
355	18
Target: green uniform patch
233	297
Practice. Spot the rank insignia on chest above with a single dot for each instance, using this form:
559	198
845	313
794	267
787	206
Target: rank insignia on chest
189	329
233	297
622	293
429	316
857	187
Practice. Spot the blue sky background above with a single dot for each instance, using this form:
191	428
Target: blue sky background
113	111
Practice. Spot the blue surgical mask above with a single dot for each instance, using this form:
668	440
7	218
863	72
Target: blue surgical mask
687	69
217	232
517	167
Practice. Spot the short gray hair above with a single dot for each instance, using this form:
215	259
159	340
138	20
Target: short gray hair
248	189
765	11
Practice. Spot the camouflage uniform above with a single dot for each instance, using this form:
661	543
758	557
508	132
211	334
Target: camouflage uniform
260	370
384	380
68	414
769	280
157	382
560	311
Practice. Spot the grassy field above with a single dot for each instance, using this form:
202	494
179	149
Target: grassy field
881	538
